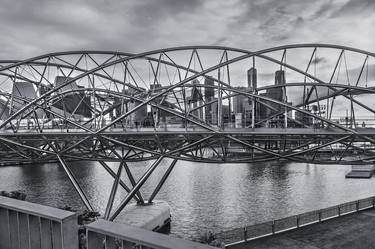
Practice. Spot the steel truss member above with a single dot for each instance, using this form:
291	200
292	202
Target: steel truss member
186	103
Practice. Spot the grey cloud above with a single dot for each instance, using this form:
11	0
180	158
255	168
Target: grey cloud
323	10
220	41
354	7
319	60
275	20
35	26
32	27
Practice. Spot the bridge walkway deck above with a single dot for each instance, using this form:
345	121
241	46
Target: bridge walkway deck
352	231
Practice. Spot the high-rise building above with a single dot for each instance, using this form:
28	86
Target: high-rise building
280	77
209	96
196	100
277	93
159	116
241	102
242	105
209	91
252	81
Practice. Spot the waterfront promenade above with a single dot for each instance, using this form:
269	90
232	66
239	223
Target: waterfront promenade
354	231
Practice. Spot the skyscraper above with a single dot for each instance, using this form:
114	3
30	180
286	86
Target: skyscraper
276	93
209	95
252	81
195	99
280	77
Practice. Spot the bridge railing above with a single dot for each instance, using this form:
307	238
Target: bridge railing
239	235
114	236
28	226
32	226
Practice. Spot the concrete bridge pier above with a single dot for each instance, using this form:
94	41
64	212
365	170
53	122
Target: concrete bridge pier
150	216
147	214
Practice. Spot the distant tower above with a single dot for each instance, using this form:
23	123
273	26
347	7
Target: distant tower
209	94
280	77
252	83
281	92
252	78
196	99
280	80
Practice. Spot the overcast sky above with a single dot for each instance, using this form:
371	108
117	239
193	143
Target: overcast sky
33	27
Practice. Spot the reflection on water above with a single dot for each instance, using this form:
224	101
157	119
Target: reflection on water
202	196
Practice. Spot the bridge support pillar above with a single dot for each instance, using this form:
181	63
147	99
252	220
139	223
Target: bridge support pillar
135	189
153	217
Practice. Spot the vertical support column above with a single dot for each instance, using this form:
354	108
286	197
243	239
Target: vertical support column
253	79
286	114
219	103
253	103
285	100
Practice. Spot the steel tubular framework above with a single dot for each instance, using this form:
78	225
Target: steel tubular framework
187	103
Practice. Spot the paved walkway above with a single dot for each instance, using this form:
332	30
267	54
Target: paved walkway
353	231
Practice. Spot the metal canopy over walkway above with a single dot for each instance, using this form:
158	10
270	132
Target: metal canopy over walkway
303	102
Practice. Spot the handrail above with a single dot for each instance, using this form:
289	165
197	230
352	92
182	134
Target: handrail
124	235
28	225
243	234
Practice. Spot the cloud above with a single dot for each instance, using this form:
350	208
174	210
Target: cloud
354	8
32	27
318	60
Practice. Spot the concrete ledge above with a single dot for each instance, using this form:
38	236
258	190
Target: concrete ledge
29	225
137	235
50	213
